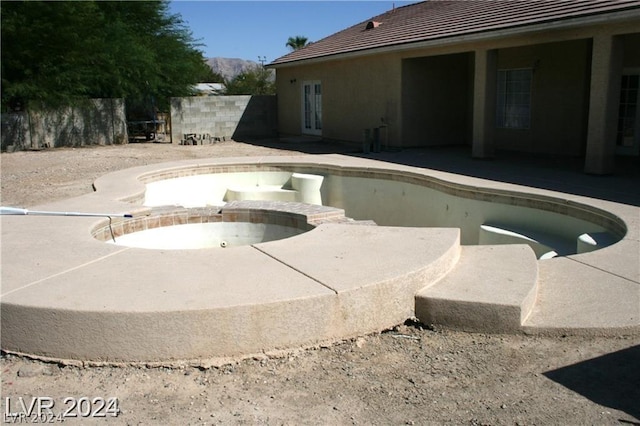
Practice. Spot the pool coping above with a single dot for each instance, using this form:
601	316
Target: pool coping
592	293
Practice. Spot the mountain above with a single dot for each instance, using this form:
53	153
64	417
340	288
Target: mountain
230	67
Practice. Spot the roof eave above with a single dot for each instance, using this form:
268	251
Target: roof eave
614	17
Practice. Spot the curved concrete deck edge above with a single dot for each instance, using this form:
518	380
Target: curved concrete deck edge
66	295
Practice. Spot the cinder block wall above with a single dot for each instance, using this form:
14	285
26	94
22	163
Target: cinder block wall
224	116
96	122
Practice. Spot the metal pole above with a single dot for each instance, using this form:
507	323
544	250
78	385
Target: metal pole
19	211
24	212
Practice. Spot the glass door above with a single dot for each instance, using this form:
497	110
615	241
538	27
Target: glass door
312	108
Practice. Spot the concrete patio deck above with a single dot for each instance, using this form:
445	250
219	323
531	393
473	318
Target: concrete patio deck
67	295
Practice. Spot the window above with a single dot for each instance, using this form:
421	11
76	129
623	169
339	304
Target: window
627	114
514	99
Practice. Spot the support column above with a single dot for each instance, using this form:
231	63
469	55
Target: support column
604	101
484	103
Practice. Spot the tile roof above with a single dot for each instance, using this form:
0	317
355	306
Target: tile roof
440	19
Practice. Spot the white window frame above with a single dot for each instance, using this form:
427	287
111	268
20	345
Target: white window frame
312	107
513	102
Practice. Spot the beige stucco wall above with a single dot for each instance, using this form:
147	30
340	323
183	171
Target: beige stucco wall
427	100
365	91
436	100
426	94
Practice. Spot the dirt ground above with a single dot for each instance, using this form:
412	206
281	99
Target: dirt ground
411	374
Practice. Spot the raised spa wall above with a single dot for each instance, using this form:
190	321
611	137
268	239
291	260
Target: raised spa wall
551	227
237	223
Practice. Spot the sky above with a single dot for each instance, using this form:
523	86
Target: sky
256	30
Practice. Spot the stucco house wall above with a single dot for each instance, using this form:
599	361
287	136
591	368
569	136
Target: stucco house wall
357	94
437	100
425	94
559	97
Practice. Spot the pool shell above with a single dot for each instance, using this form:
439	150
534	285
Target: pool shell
68	296
549	228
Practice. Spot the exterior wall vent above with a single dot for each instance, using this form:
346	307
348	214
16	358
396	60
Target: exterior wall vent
372	24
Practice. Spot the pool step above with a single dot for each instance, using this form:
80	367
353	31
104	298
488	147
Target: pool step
491	289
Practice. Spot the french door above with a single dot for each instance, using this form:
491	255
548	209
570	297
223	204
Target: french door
628	136
312	108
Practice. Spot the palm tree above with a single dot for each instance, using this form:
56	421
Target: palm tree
297	42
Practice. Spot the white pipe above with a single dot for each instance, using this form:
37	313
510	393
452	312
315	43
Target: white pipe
18	211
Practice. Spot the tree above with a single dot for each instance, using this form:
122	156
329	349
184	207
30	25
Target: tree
297	42
58	53
212	77
256	81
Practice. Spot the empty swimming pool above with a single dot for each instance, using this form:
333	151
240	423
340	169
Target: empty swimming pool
484	217
374	244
